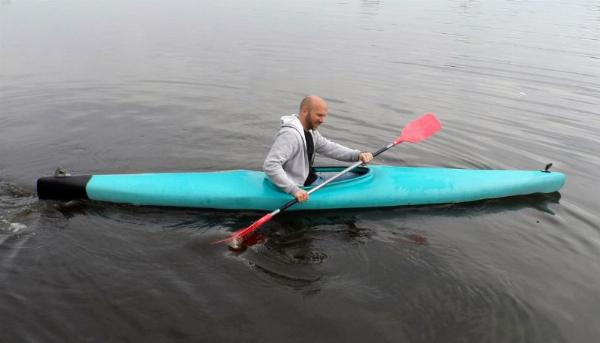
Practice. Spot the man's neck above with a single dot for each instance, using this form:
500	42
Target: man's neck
304	123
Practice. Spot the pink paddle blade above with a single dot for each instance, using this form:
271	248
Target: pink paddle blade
419	129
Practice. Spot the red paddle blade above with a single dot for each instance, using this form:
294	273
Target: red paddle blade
236	239
419	129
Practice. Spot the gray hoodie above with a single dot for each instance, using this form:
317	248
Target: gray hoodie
287	165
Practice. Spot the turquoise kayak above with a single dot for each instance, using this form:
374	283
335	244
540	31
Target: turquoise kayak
374	186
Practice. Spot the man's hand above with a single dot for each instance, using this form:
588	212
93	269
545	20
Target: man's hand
301	195
365	157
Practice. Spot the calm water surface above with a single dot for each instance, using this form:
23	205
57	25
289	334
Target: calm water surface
134	86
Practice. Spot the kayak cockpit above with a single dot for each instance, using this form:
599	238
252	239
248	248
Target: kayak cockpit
325	173
358	174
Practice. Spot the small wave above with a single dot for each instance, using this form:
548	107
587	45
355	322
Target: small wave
8	227
15	208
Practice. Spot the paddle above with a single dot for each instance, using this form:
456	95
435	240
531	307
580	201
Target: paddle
416	131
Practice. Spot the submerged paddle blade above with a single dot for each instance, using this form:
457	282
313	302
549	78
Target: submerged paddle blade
236	239
419	129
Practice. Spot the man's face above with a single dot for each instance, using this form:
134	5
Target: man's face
317	116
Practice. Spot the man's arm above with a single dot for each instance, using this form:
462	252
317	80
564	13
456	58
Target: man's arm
334	150
281	150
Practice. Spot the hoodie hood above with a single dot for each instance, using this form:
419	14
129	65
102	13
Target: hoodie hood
292	121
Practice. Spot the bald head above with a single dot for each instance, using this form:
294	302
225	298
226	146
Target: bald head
309	102
313	110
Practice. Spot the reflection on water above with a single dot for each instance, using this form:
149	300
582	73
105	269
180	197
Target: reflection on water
299	251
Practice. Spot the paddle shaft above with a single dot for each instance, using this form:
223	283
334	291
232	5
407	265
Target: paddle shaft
331	179
336	176
290	203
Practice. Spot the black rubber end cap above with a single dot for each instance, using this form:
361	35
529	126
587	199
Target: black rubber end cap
63	187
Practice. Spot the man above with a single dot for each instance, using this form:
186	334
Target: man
289	163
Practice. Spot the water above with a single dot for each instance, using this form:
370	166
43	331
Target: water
133	86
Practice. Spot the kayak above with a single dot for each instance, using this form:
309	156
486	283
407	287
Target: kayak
372	186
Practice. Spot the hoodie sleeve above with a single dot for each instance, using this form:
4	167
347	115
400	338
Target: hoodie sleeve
334	150
282	149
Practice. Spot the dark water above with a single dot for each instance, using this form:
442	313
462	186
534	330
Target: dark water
132	86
